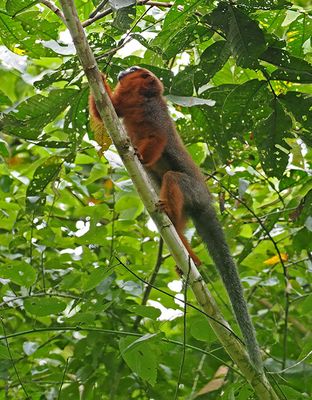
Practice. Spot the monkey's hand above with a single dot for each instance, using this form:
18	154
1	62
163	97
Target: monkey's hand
138	154
161	206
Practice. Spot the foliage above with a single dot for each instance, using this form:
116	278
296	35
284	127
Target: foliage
238	76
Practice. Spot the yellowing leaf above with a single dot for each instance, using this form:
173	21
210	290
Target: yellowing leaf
18	51
100	134
216	382
276	259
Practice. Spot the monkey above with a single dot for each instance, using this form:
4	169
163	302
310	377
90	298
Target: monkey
138	99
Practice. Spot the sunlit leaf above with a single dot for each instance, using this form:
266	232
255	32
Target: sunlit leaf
269	136
42	306
19	272
290	68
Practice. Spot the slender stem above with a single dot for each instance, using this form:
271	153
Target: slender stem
53	8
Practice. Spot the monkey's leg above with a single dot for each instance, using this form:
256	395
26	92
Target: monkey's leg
172	201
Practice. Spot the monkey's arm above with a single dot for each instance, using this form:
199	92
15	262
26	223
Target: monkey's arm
150	148
92	106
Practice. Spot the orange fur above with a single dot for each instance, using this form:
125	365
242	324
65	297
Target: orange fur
138	99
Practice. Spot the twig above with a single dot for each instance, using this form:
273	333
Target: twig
12	361
103	14
63	379
292	366
98	8
182	301
151	282
53	8
184	333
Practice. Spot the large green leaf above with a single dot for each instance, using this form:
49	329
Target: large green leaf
211	61
19	272
141	357
35	113
42	306
170	42
264	4
208	119
35	25
300	105
300	34
124	18
245	106
245	39
43	175
17	6
270	135
18	41
180	12
290	68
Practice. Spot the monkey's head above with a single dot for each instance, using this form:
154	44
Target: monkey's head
140	80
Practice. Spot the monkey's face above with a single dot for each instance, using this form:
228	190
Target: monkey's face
140	80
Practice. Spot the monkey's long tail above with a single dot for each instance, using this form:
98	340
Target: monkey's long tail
209	228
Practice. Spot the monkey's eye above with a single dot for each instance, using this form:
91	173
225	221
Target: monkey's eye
144	76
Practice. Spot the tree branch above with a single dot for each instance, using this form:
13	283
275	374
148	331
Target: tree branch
104	13
53	8
235	349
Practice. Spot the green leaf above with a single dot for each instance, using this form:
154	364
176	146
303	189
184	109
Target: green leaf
299	32
4	100
17	6
291	393
18	41
4	151
4	353
170	42
42	306
245	38
77	115
43	175
124	18
208	119
182	83
300	105
33	23
290	68
35	113
145	311
95	236
96	277
180	12
264	4
19	272
211	61
201	330
269	136
129	207
254	100
140	357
